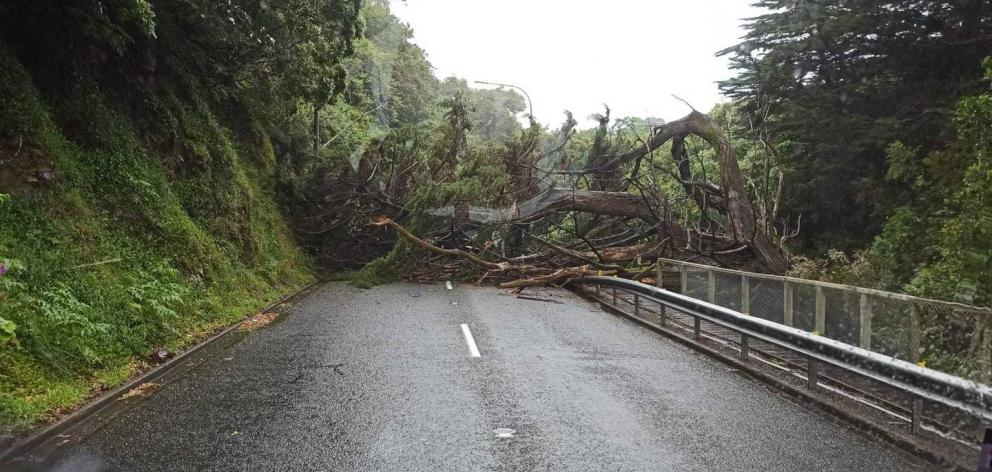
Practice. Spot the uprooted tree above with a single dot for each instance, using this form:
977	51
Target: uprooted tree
597	213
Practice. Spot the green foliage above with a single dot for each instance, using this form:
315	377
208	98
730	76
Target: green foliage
897	249
141	13
960	219
380	271
396	141
8	331
939	242
131	245
842	80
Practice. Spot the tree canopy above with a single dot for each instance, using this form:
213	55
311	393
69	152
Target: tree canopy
840	80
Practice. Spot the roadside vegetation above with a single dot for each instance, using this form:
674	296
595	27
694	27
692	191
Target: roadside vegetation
169	166
140	184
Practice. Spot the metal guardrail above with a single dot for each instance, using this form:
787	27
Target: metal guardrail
921	383
820	283
952	337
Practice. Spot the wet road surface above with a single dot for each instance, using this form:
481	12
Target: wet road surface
385	379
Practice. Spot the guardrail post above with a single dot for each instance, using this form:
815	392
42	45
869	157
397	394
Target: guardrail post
745	295
914	333
658	283
865	337
597	290
710	286
821	312
814	350
812	374
789	309
917	416
684	275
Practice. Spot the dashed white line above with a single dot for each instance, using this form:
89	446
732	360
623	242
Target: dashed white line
472	349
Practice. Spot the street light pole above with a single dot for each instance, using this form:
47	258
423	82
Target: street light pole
530	104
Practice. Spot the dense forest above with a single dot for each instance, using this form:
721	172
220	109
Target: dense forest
169	166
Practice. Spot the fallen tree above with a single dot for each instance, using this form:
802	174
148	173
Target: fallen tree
532	275
606	212
732	206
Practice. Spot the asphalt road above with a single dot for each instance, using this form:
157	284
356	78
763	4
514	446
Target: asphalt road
384	379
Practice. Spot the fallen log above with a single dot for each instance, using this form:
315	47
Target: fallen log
384	221
556	277
535	275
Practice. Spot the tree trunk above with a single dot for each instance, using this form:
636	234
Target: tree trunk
736	204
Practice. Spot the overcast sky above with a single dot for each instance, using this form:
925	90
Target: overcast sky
630	54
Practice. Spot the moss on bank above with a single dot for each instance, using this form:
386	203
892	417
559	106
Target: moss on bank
116	246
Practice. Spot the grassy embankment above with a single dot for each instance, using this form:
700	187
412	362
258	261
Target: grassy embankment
117	246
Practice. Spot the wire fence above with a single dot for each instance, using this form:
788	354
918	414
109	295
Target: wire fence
946	336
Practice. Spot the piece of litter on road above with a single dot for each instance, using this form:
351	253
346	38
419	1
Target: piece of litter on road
447	284
454	303
140	391
258	321
504	433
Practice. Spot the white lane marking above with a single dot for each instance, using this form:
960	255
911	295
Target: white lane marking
447	284
474	351
504	433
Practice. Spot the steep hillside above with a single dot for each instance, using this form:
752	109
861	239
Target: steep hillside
118	241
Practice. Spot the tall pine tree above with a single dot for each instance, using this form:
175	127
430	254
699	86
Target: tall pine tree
844	79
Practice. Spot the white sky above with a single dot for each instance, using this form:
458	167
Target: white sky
578	54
